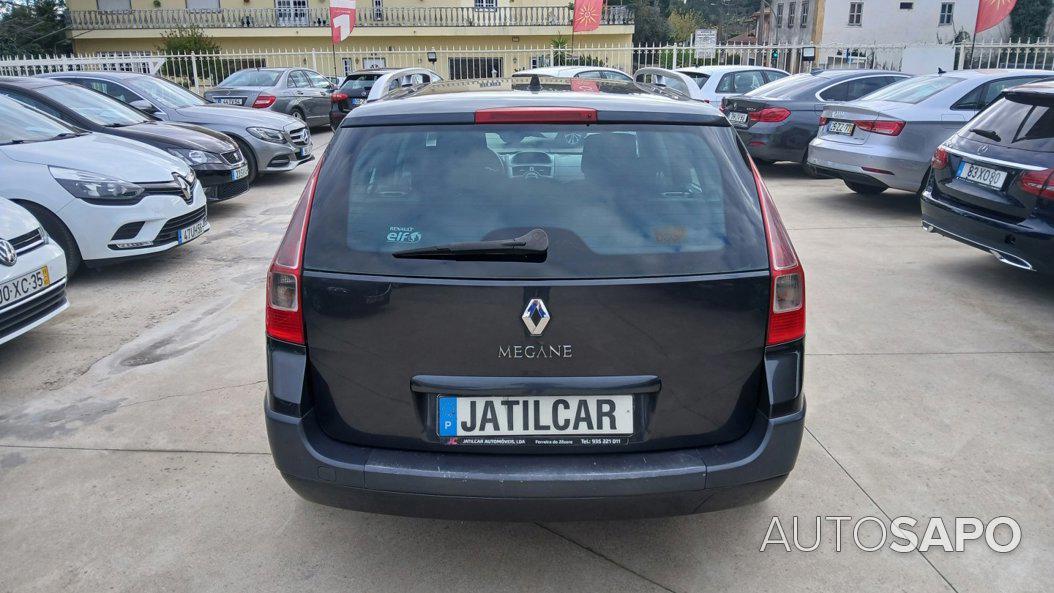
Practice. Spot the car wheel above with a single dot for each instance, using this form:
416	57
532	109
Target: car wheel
297	113
808	169
250	159
59	234
865	189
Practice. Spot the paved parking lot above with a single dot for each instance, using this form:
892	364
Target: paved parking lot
133	455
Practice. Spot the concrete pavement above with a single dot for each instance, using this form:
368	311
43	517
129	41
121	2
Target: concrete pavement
133	455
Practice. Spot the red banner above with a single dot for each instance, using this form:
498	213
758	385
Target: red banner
341	19
991	12
587	15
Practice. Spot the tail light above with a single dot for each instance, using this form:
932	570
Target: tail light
338	97
284	317
534	115
1037	183
940	159
886	127
770	114
787	308
264	101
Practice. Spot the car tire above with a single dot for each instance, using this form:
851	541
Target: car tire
299	114
59	233
250	159
865	189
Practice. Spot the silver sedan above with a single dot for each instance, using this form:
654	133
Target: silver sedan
300	92
886	139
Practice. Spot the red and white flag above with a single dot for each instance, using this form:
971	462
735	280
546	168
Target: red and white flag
587	15
341	19
991	12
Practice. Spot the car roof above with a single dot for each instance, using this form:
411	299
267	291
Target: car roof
26	82
457	101
711	70
853	73
563	70
115	76
1045	87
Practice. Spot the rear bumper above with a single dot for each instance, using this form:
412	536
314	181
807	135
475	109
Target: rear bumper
533	487
847	162
1028	244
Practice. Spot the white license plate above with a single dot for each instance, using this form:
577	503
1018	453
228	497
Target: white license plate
303	152
193	231
23	286
985	176
545	415
841	127
240	173
230	100
737	117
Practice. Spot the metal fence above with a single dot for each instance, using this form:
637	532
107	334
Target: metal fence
202	71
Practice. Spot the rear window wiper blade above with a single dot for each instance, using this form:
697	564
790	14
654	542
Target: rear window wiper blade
533	247
987	134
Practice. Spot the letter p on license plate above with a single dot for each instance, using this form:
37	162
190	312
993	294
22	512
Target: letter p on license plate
535	416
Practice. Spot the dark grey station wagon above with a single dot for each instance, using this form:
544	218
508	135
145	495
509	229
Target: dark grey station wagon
526	299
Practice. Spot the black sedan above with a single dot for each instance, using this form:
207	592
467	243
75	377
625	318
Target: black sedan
778	120
215	158
992	185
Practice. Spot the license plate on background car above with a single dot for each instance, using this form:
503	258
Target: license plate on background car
240	173
841	127
737	117
535	416
356	101
985	176
231	100
23	286
193	231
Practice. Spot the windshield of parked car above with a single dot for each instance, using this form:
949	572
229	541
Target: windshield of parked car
264	78
164	94
617	200
785	88
95	107
699	78
913	90
20	124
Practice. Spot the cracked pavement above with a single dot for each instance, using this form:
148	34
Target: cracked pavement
133	454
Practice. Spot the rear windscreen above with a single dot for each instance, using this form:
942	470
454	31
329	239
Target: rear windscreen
1014	124
913	90
616	200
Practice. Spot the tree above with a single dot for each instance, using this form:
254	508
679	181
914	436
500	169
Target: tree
184	40
650	26
1029	18
35	27
683	24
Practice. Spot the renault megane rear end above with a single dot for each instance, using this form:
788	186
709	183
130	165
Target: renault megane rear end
520	303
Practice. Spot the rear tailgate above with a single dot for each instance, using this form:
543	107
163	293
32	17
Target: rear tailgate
842	120
654	290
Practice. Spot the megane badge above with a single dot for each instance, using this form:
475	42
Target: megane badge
535	317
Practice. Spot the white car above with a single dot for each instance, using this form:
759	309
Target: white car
593	72
710	84
32	273
102	198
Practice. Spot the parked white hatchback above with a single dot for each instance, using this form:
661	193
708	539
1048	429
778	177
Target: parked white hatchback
32	273
102	198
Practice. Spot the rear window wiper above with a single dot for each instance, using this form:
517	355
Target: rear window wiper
531	247
987	134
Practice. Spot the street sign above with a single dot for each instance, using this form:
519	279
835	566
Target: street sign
705	42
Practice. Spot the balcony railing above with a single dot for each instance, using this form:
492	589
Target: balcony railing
439	16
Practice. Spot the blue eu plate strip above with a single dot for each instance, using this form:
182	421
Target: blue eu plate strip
448	416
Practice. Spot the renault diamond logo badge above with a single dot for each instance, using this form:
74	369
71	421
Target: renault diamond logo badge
535	317
8	257
185	187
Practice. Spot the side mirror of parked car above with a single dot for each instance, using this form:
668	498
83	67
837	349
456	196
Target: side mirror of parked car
144	106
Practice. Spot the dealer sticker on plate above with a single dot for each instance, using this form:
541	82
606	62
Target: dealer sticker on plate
535	416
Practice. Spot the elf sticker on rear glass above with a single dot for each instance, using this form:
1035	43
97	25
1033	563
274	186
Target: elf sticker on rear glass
403	234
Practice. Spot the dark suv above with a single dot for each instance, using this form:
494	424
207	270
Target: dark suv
992	185
499	300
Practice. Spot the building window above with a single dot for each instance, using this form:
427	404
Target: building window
115	5
856	13
947	13
486	4
790	16
779	15
907	5
804	13
210	5
378	10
